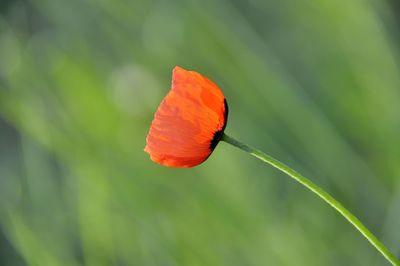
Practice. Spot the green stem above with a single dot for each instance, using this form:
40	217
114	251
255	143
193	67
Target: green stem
318	191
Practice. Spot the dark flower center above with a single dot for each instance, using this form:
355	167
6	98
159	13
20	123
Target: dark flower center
218	134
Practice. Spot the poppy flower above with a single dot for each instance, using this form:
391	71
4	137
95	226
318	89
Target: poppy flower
189	122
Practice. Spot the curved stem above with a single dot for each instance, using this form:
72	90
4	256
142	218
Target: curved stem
318	191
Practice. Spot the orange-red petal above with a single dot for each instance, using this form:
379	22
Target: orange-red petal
189	121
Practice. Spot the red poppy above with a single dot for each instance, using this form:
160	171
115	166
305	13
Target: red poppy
189	122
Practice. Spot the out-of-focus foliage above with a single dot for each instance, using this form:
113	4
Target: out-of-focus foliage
314	83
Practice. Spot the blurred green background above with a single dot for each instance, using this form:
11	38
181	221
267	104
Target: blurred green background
313	83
